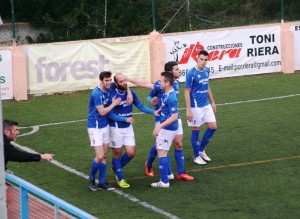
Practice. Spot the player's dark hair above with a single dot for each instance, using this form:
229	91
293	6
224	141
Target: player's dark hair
168	77
203	52
7	124
104	74
169	65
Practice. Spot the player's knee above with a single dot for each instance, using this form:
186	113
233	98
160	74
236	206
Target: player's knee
212	126
177	145
117	154
98	159
131	154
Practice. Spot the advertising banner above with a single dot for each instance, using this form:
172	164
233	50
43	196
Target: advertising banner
231	52
6	79
76	66
296	30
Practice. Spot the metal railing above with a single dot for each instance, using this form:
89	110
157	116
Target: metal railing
26	187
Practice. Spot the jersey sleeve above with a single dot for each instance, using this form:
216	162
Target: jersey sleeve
151	94
189	79
140	105
115	117
156	86
172	105
97	97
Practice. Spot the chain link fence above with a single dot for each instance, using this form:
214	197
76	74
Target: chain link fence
41	21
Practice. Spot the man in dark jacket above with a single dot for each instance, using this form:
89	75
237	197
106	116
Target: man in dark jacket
10	133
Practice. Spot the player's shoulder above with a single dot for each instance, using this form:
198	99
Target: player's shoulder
176	85
172	95
96	90
191	71
156	85
176	82
207	69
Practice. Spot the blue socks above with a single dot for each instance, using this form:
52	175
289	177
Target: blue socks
94	169
179	157
206	138
195	142
102	172
169	166
125	160
118	164
117	168
152	156
163	169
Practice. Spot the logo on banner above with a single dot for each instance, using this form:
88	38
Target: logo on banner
78	70
266	49
176	48
2	78
193	50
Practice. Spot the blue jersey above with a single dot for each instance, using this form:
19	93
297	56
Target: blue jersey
197	81
169	106
124	109
176	86
98	97
158	92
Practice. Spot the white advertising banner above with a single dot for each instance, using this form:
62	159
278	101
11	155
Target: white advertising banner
296	30
76	66
6	79
235	52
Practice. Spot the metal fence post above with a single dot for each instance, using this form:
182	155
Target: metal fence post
13	23
24	202
282	11
153	15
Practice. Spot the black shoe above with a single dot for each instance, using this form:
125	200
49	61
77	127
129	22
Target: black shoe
92	185
105	186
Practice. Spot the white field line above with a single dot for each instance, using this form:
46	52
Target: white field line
119	192
129	197
139	113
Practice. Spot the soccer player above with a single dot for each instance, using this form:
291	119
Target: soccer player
155	98
166	131
200	106
10	133
98	128
121	132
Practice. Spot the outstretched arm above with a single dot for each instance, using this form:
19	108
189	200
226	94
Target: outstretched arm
141	83
116	117
23	156
144	108
152	98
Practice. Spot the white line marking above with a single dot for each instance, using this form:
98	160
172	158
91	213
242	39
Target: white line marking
221	104
258	100
34	129
129	197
